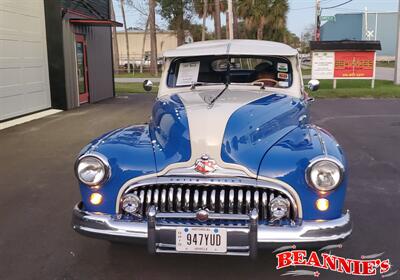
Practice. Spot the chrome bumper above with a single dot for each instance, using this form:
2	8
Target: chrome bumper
244	240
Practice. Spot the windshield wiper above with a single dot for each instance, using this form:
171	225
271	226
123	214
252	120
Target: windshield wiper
227	82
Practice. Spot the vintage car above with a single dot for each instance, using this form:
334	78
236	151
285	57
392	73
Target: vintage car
228	163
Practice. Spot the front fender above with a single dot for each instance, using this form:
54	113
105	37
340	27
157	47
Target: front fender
288	159
130	154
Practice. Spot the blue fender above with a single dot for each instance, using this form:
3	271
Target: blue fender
130	154
288	159
169	130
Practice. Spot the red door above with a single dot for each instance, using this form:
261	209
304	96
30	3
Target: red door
81	61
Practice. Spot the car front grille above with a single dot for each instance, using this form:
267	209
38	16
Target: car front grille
226	199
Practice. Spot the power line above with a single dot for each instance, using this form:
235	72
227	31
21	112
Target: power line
336	6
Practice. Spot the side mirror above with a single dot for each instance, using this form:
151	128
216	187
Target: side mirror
313	85
147	85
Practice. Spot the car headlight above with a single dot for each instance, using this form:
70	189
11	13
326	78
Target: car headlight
92	170
325	174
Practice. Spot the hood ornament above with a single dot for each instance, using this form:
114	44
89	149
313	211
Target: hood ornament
205	165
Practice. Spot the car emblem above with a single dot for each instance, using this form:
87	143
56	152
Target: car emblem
202	215
205	165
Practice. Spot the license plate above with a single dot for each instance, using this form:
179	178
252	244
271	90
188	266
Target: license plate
201	239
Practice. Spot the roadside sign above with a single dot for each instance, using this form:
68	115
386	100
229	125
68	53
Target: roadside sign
323	64
328	18
343	65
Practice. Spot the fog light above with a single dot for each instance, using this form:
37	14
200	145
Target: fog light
130	203
279	208
322	204
96	198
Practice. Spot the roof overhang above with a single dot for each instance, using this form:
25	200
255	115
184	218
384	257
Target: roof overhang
232	47
95	22
345	45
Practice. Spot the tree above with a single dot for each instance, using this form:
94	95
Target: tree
217	18
114	40
126	35
153	37
205	8
211	11
258	14
176	12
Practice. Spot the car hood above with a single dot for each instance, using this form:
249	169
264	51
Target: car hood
238	129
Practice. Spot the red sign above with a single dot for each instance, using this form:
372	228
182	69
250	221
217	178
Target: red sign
354	64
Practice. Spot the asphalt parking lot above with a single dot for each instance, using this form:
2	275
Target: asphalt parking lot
38	190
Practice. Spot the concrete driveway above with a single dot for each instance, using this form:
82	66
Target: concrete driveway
38	190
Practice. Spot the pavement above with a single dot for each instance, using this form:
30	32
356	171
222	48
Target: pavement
38	191
382	73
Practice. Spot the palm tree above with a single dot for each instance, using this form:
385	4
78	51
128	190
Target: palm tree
153	37
126	35
261	13
211	6
217	18
203	27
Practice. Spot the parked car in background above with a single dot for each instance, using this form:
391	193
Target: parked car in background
228	164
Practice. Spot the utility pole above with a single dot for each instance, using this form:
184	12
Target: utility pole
230	13
318	20
397	68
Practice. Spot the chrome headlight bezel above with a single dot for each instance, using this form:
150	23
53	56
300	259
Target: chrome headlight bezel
104	164
315	162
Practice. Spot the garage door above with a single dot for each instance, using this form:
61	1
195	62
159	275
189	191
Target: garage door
24	79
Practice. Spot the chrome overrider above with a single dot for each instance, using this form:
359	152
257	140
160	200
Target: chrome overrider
245	233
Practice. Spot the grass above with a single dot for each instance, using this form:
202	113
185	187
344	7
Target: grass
388	64
131	88
306	71
136	75
356	89
345	89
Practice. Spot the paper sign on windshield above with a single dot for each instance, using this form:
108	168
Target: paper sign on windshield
188	73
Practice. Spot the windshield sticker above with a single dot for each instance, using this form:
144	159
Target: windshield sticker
188	73
283	76
283	84
283	67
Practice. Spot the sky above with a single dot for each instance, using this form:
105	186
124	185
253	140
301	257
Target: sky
300	16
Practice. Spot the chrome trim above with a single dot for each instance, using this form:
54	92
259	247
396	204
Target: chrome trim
240	199
186	200
264	204
317	232
196	199
231	200
319	159
212	200
204	199
248	200
222	201
256	199
103	160
170	202
163	199
179	200
206	181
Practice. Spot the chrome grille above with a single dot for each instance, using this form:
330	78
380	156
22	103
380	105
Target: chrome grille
216	198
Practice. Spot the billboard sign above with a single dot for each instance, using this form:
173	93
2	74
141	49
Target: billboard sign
343	65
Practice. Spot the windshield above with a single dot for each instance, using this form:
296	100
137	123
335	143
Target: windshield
271	71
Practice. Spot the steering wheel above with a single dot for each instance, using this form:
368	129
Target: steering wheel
267	82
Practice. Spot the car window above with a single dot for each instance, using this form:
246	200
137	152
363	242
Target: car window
273	71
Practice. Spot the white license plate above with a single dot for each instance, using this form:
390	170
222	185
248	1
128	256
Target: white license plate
201	239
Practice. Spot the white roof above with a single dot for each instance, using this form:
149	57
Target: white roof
232	47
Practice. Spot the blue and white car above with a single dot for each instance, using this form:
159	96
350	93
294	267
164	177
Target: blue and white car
228	163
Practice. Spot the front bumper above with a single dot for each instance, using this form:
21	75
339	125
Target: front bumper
243	240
